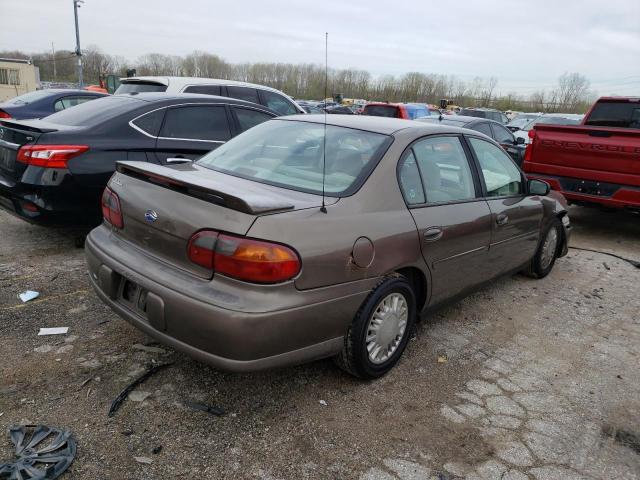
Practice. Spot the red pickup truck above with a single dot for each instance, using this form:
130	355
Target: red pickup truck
597	162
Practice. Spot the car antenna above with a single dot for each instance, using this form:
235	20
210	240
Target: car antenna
323	208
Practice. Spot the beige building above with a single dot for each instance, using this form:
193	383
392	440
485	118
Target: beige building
17	76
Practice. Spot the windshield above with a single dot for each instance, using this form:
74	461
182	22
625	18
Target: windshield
91	113
140	87
289	154
551	121
29	97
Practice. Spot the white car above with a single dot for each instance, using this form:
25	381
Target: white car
518	122
269	97
549	119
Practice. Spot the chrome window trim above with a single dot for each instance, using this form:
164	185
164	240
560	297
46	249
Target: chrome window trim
135	127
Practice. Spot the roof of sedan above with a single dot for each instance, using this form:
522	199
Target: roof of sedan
384	125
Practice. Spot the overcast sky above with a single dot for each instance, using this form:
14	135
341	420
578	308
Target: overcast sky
525	44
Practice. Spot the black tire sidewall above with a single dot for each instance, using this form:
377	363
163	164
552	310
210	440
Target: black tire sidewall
367	368
537	266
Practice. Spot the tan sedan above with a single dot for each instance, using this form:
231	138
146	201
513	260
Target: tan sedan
298	240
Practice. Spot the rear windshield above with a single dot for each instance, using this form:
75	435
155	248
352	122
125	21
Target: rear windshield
289	154
92	113
140	87
615	114
29	97
381	111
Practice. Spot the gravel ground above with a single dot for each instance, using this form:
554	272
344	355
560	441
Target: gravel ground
523	380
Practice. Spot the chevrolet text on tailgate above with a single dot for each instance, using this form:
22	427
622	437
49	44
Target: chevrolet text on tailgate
597	162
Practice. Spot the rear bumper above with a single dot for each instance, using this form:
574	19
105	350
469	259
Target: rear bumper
228	324
53	200
593	192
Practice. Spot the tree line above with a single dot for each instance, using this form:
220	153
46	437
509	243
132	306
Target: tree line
307	81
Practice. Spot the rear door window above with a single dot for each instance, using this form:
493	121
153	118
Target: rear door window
482	127
203	89
151	122
410	182
444	168
243	93
501	134
201	122
277	103
248	117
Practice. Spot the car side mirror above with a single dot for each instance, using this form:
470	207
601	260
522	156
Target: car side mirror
520	141
538	187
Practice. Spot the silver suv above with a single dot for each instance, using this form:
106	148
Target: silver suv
269	97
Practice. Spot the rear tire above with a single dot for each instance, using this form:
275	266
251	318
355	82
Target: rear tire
548	249
380	330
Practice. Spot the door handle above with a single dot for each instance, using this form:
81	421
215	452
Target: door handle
432	234
502	219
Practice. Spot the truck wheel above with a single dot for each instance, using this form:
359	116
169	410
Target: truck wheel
380	330
548	249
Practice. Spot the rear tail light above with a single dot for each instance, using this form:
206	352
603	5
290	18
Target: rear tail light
243	258
49	156
4	114
528	152
111	210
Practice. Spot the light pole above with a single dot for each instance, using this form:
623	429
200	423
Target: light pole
76	6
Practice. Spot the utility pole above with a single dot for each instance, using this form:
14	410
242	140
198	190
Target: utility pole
53	57
76	6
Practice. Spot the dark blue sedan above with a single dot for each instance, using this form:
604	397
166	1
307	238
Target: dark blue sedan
42	103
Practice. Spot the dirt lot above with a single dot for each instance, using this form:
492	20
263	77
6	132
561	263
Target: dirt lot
542	381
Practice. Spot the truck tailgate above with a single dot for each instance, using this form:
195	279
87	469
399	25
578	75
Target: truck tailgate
594	153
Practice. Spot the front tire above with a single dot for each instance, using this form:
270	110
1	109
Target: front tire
380	330
547	252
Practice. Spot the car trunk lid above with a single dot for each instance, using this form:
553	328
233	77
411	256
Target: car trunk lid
14	135
163	207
